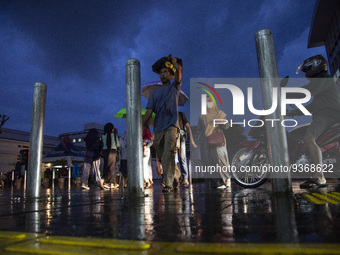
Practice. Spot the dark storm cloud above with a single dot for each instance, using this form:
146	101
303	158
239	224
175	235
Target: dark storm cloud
79	49
72	35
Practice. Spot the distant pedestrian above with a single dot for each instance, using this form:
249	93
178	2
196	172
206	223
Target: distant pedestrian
110	146
92	159
182	157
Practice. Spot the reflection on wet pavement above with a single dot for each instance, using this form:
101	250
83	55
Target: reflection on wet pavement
199	214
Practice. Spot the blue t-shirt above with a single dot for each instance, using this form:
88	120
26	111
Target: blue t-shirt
164	102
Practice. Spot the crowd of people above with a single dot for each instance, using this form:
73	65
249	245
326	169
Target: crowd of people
171	129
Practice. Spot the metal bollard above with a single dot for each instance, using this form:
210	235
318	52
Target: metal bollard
36	140
276	135
286	228
33	219
134	128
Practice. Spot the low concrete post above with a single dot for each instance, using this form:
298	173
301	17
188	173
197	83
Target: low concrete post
36	140
276	135
134	129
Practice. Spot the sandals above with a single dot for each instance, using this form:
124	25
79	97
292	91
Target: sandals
312	183
185	183
176	184
148	185
167	189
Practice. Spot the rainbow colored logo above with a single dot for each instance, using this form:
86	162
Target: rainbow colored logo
209	93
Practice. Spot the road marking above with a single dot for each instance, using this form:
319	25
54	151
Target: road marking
65	245
322	198
337	194
314	200
96	242
337	198
12	235
325	198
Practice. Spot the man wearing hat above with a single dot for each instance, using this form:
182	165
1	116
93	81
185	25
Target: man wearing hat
164	103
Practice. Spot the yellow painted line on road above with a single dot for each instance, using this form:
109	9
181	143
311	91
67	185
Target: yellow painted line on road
337	194
12	235
66	245
314	200
335	197
87	246
54	249
96	242
327	199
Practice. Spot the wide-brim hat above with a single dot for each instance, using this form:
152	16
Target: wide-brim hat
165	62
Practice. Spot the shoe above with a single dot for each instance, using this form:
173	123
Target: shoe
176	184
148	185
106	185
167	189
83	186
221	187
103	185
185	183
100	185
312	183
114	186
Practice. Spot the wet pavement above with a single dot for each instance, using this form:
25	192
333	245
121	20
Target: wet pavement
199	215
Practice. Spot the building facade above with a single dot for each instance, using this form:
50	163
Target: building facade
77	137
14	148
14	145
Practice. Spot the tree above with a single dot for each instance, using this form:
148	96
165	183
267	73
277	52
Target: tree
3	119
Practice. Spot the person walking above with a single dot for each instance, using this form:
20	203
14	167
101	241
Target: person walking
164	102
92	159
110	146
182	155
212	143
